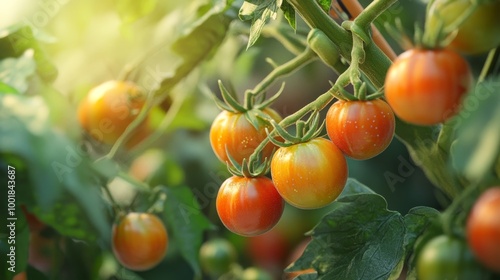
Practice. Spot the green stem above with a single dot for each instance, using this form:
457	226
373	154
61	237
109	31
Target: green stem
459	204
371	12
287	68
317	105
162	127
116	207
132	127
315	17
488	64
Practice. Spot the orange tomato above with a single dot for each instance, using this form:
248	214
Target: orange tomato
139	241
426	87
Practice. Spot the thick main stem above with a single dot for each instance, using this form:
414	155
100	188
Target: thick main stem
315	17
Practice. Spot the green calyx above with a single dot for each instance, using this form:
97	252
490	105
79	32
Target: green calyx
253	100
305	131
251	168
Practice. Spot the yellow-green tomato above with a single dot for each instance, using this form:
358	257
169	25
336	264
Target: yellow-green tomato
479	33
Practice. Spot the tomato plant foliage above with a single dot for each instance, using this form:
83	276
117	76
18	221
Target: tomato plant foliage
173	53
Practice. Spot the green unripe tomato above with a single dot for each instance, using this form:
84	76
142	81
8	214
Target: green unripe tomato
254	273
479	33
217	256
445	257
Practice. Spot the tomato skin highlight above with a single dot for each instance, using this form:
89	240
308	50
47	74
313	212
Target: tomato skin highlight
249	206
445	257
234	132
139	241
479	33
360	129
309	175
426	87
483	229
109	109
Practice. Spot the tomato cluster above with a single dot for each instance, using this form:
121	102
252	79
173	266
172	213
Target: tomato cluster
308	173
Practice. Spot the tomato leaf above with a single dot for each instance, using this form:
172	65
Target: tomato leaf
186	224
198	44
6	89
325	4
289	13
60	186
422	223
15	72
417	221
15	40
358	239
259	12
353	187
477	148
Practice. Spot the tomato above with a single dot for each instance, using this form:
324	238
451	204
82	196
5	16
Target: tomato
425	87
254	273
139	241
20	276
360	129
483	228
309	175
445	257
217	256
232	131
479	33
269	250
249	206
109	109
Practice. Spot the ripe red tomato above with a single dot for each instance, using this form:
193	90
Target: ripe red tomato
479	33
269	250
109	109
232	131
483	228
360	129
139	241
425	87
249	206
309	175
